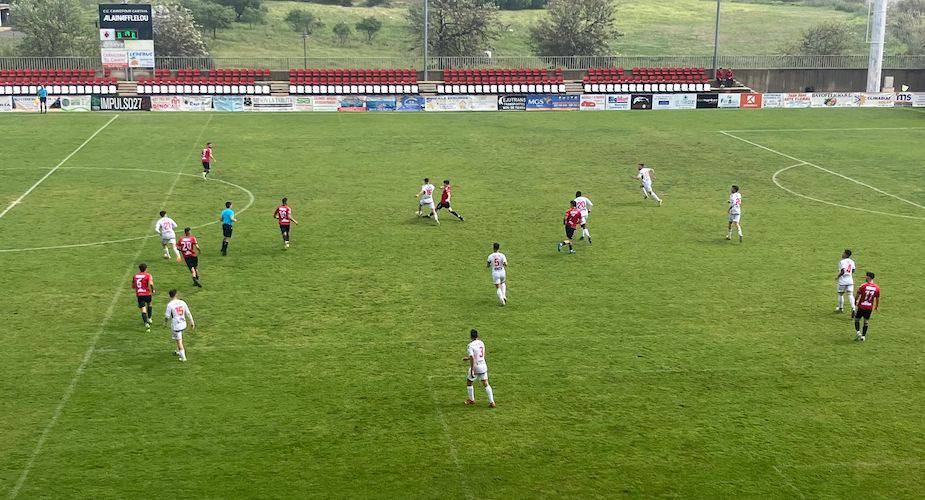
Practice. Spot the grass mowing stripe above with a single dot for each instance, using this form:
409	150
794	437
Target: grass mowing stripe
88	355
62	162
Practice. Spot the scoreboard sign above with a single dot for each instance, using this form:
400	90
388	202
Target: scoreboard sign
126	36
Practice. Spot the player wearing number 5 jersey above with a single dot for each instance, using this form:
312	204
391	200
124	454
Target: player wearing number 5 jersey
845	280
177	314
478	369
497	262
283	215
143	285
867	301
189	247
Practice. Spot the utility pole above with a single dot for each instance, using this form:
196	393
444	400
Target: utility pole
426	39
716	39
877	34
304	49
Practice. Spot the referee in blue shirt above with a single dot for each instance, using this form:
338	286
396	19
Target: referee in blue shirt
228	221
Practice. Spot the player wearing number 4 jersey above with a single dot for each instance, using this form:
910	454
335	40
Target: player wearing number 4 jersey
143	285
283	215
497	261
478	369
867	301
845	280
177	314
189	247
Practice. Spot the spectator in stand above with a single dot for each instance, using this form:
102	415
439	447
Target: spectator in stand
730	78
43	99
720	77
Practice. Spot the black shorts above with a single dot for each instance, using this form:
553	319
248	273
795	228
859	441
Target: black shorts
143	300
863	313
227	229
206	165
444	205
569	232
43	99
284	228
192	261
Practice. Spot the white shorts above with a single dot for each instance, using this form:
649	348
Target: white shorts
498	277
647	186
177	335
846	288
584	217
428	203
477	376
734	217
165	240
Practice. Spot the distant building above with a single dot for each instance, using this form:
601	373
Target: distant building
4	14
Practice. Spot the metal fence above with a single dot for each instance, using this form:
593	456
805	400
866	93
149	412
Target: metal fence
438	63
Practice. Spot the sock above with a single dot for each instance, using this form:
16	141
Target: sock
841	300
504	290
655	196
150	312
644	193
182	353
144	318
286	237
585	232
570	245
864	331
455	214
436	219
740	230
224	246
491	395
857	324
729	233
471	392
500	294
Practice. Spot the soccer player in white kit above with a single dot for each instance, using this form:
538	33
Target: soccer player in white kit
498	264
165	227
426	195
735	212
584	206
478	369
645	176
845	279
177	314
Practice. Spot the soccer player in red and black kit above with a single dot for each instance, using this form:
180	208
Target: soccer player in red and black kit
445	200
189	247
867	301
143	284
571	221
283	215
207	159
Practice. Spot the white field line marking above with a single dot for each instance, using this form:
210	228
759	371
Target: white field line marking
856	465
451	445
250	202
785	188
788	482
823	169
88	355
821	129
17	201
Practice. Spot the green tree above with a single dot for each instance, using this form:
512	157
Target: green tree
53	28
829	38
907	24
211	16
240	6
303	21
457	27
342	31
175	31
369	25
254	16
575	28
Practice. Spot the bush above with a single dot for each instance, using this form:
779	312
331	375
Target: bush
370	26
520	4
342	31
377	3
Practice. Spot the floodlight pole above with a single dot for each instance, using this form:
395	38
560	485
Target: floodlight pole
716	39
304	49
877	34
426	39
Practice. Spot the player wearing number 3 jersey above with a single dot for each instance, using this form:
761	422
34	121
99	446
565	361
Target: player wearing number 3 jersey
143	285
867	301
478	369
497	261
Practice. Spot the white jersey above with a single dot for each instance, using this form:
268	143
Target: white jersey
178	312
427	193
645	175
584	205
497	261
476	351
165	226
735	203
847	277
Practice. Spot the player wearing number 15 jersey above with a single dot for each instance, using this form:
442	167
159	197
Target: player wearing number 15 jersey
283	215
497	261
478	369
189	247
143	285
868	301
177	314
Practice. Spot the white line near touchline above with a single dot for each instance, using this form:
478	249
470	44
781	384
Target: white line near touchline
821	129
88	355
53	170
823	169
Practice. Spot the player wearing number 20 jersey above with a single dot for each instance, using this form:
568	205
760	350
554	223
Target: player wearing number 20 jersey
283	215
189	247
478	369
497	262
143	285
867	301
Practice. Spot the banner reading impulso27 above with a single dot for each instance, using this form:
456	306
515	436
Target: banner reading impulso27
131	17
118	103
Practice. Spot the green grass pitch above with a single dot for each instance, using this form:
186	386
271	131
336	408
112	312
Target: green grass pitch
661	361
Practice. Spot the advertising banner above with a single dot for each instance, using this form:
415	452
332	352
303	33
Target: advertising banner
141	58
707	101
641	101
377	103
484	103
303	103
685	101
772	100
268	103
114	58
538	102
904	99
326	103
228	103
728	100
411	103
877	100
663	101
512	103
918	100
119	103
448	103
181	103
126	36
796	100
618	102
835	100
74	103
29	103
750	101
593	102
351	103
6	104
553	102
